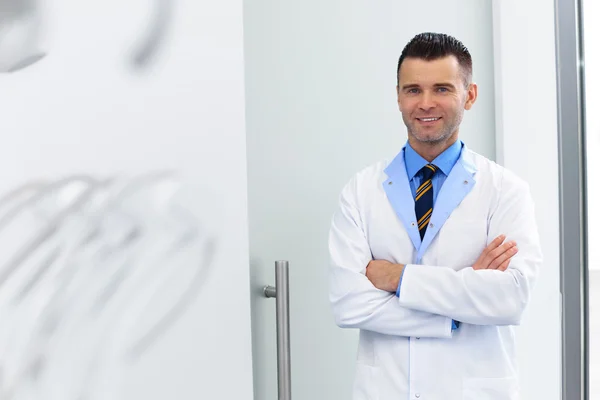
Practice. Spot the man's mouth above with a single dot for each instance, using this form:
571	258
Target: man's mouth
431	119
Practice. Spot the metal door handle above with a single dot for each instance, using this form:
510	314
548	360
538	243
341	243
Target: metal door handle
282	297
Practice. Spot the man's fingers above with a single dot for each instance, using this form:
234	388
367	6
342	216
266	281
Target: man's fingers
484	258
498	251
494	244
493	260
504	266
498	256
504	258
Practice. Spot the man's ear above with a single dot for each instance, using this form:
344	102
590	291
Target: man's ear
471	96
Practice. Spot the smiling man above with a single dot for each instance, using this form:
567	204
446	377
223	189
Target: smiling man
434	255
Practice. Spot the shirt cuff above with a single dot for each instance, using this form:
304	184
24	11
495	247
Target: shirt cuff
455	325
400	281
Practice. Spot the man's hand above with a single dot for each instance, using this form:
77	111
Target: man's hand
384	275
497	255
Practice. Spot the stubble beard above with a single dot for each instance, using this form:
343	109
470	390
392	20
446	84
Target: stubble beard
432	140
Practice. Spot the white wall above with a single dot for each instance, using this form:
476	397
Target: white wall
82	110
527	144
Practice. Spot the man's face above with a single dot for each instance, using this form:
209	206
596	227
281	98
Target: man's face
432	98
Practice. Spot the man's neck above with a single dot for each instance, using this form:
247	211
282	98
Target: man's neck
430	151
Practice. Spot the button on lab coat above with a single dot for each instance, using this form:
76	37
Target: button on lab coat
407	349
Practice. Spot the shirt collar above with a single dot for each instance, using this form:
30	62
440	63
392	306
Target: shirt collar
445	161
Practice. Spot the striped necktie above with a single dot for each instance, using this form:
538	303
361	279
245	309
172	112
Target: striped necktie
424	198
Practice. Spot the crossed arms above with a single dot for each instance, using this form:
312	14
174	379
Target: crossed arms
493	291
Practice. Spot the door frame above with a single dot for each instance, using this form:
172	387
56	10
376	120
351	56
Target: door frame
573	199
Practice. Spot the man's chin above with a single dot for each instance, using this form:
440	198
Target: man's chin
430	138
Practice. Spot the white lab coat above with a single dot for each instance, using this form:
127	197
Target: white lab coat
407	349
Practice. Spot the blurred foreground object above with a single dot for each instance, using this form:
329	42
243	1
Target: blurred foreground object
20	34
92	273
21	23
155	34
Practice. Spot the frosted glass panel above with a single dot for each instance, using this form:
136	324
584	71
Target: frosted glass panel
98	272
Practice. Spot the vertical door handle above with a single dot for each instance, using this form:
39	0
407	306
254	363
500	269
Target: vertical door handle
282	296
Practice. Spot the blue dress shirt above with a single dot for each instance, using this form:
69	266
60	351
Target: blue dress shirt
445	162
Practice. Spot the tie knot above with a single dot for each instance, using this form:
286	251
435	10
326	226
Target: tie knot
428	171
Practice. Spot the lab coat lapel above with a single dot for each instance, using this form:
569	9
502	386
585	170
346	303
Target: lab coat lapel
397	189
457	186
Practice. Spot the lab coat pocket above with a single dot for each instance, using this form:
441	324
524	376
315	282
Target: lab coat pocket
491	389
365	383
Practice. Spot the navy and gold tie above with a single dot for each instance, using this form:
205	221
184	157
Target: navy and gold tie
424	198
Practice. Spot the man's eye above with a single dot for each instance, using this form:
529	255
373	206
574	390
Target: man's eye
413	90
442	89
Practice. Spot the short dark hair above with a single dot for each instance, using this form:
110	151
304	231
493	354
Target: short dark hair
431	46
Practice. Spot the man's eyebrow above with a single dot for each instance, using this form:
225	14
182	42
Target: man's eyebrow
444	84
415	85
410	86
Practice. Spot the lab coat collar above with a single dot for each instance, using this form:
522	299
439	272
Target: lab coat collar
467	160
457	186
397	165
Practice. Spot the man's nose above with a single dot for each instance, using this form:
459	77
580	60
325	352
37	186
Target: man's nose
427	101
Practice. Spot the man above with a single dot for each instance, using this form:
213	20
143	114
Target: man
434	254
